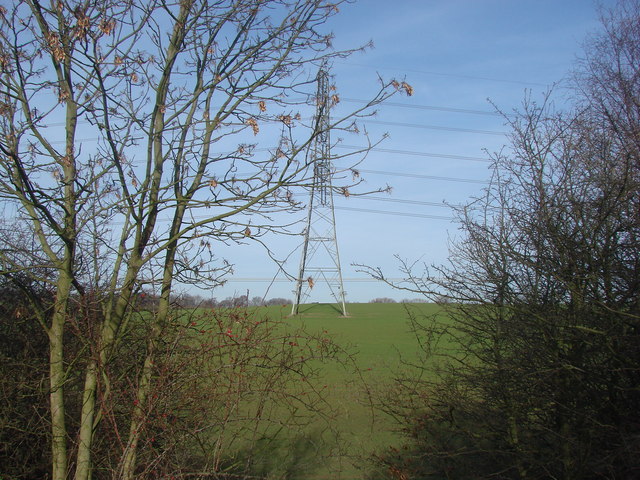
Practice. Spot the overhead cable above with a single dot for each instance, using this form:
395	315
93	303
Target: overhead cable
400	200
399	214
415	153
434	127
445	74
426	107
429	177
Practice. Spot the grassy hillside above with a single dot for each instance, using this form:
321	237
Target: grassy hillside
376	336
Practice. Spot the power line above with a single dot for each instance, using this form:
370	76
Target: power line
379	122
428	177
286	280
427	107
442	204
436	108
399	200
445	74
434	127
364	210
376	122
397	214
417	154
355	147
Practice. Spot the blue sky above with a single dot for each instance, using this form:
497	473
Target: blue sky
459	55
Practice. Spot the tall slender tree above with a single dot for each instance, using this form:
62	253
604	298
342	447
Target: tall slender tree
129	141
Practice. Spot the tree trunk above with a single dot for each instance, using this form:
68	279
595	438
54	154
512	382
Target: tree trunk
107	340
85	437
56	381
139	414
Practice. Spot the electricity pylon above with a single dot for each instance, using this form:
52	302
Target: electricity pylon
320	260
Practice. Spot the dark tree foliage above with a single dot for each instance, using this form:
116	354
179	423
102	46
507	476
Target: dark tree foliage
535	373
23	368
223	379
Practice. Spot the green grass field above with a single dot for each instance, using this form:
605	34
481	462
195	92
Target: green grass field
376	336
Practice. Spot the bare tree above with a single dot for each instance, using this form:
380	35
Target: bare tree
529	370
129	141
533	371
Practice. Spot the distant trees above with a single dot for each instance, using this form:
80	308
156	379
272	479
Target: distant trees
128	149
257	301
191	301
404	300
534	371
382	300
278	301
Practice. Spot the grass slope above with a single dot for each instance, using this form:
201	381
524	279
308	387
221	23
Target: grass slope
377	336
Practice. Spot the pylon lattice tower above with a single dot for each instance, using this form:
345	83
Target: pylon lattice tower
320	260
